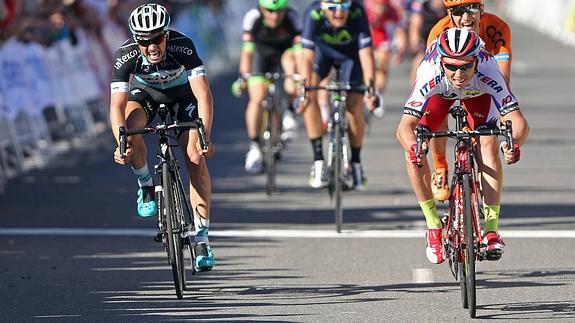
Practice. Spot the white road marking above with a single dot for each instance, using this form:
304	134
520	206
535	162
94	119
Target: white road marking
273	233
422	275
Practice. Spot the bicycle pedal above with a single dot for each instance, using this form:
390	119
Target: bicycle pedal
158	237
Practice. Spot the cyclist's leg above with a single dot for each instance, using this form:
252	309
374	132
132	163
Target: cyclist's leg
437	148
257	90
482	113
382	58
289	67
200	181
138	114
200	196
420	178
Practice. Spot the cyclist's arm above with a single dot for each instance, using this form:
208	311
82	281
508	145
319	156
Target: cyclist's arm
247	54
405	131
307	58
367	65
118	102
519	126
201	89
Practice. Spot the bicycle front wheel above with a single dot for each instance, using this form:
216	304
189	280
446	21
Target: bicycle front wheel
271	142
469	251
336	176
175	246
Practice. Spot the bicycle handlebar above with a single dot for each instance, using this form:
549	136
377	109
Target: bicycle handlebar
163	128
422	134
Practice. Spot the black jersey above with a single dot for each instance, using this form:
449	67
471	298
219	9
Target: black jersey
349	39
180	63
281	36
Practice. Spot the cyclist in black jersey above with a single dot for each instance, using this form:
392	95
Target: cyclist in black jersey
337	31
159	65
270	38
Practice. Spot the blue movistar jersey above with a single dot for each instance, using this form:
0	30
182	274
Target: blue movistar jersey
180	64
349	39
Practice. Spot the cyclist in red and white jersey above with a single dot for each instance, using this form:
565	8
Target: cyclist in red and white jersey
456	66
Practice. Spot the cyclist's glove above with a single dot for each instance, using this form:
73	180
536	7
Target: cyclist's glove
239	86
516	153
414	158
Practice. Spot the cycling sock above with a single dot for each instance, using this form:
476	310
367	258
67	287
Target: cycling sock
439	161
317	146
355	155
144	178
201	226
430	213
491	213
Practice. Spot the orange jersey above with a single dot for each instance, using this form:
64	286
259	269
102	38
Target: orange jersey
493	30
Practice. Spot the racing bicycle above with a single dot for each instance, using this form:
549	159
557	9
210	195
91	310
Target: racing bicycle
338	161
462	231
175	214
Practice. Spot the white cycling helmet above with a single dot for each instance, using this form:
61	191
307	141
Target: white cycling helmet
149	19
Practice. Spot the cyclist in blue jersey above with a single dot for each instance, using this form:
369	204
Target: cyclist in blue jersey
270	39
337	32
159	65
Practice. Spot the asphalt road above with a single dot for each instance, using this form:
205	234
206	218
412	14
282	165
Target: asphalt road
72	248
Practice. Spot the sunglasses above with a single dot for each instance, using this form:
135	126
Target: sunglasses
454	68
155	40
333	7
470	9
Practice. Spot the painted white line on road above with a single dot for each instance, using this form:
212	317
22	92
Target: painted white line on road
422	275
272	233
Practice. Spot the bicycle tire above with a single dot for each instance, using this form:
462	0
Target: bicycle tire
184	217
271	140
337	180
469	252
175	253
457	254
188	218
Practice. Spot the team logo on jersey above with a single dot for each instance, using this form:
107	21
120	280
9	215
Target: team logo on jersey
430	85
342	37
472	93
181	49
490	82
124	58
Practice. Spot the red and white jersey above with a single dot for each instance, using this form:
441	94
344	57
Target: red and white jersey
431	80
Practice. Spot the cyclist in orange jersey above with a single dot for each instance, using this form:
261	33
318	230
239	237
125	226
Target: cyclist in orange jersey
497	37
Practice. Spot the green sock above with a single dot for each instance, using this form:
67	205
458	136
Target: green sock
491	213
430	213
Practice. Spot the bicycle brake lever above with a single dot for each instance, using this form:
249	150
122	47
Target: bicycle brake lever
202	135
123	141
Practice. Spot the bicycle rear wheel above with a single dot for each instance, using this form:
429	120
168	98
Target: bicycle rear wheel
469	251
175	245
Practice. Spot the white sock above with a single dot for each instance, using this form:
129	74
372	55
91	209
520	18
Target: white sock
144	178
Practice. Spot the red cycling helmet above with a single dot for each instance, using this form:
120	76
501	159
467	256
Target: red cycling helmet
459	42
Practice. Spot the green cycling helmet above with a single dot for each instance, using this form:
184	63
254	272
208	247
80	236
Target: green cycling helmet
273	5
